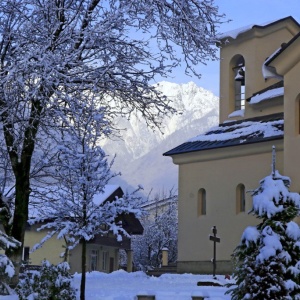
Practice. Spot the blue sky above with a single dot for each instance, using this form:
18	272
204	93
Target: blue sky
242	13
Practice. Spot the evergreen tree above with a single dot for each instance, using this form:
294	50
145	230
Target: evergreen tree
268	257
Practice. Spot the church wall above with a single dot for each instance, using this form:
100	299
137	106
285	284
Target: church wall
292	126
219	178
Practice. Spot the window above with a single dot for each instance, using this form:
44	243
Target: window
25	256
93	260
201	202
104	260
240	198
239	73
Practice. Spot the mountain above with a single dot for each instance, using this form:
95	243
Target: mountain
139	154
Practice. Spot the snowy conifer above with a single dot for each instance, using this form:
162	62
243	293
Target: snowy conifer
268	257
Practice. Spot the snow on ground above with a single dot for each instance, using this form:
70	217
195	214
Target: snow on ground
121	285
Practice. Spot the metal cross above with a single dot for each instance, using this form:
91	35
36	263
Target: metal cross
216	240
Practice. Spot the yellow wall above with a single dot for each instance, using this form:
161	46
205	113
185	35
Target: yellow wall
51	250
291	126
75	258
219	178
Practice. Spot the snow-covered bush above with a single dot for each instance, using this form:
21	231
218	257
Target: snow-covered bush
268	257
50	283
160	231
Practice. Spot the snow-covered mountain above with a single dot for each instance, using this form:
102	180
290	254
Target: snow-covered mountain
139	153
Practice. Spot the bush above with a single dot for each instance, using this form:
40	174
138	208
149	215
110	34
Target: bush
50	283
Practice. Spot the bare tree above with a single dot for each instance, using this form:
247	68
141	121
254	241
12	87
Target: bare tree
76	209
160	231
50	50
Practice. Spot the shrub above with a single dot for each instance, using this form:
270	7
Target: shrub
50	283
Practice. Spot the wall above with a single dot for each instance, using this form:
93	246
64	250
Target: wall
51	250
292	126
75	258
219	177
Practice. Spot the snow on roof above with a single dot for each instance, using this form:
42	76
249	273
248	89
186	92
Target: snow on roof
283	47
241	130
237	113
272	55
267	95
101	197
236	32
269	71
35	204
235	133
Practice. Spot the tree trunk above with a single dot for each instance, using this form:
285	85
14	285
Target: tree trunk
83	270
19	219
21	167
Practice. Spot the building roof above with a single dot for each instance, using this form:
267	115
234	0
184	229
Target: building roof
110	193
272	91
283	47
236	32
242	132
159	203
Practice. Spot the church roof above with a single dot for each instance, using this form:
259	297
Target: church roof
236	32
242	132
272	91
283	47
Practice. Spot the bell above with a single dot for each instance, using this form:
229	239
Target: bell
240	76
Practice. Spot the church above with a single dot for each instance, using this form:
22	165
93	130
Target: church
259	109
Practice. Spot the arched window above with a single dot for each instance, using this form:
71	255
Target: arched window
240	198
201	202
239	75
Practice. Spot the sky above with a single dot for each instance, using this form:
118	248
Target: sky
241	13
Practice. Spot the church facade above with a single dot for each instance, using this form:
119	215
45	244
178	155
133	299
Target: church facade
259	109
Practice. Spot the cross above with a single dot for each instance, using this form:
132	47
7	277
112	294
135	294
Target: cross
216	240
273	162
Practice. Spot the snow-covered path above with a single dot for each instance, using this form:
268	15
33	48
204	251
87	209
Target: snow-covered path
121	285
